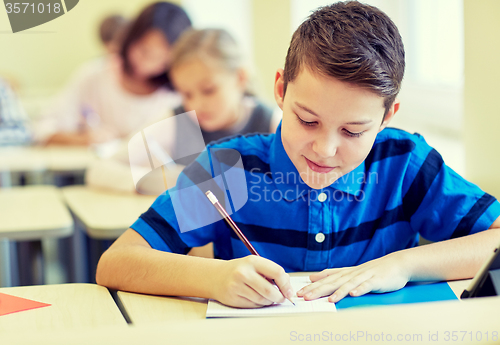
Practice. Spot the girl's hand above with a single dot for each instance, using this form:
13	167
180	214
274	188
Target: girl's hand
387	273
242	283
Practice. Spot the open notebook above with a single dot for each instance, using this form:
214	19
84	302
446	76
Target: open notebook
216	309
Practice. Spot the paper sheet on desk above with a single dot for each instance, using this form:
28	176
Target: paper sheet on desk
216	309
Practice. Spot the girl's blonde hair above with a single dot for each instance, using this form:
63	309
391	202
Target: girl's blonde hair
216	44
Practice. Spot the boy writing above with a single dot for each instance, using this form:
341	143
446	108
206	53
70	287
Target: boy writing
333	190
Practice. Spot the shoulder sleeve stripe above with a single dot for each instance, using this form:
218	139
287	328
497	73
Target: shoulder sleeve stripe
255	164
422	182
464	227
389	148
197	173
165	231
200	177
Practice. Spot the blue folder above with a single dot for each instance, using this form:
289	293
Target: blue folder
411	293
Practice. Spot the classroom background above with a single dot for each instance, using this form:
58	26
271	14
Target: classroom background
53	228
448	93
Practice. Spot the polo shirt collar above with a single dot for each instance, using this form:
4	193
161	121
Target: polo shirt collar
287	179
351	182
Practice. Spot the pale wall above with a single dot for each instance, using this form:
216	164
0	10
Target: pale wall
271	34
481	93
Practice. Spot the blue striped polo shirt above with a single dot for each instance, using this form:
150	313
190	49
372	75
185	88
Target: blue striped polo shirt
402	190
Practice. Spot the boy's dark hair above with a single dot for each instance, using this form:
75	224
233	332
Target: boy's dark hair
169	18
352	42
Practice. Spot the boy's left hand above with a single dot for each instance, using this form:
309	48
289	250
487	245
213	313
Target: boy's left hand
384	274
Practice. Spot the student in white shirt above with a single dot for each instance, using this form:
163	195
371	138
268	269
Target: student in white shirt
130	89
14	128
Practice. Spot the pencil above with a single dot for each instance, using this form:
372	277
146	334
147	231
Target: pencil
232	225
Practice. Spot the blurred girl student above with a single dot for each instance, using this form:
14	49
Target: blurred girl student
209	72
130	90
111	29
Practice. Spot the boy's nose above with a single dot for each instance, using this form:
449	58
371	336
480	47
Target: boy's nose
325	146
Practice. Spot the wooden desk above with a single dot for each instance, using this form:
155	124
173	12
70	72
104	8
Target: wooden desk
106	215
30	213
72	306
67	158
33	213
37	160
147	309
21	159
40	158
458	286
103	215
424	323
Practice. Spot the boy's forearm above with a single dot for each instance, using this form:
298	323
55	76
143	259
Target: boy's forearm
143	270
458	258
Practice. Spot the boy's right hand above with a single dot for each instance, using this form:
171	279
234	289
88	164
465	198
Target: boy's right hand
242	283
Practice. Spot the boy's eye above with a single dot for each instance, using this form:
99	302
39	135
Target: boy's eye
352	134
305	123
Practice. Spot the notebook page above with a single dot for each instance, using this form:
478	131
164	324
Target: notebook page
216	309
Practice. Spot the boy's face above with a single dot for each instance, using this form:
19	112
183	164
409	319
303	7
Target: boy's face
328	126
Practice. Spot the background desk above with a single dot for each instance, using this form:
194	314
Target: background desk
103	216
39	159
66	159
20	160
72	306
147	309
30	213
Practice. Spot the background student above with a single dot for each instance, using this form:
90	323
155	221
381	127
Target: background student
111	29
210	73
14	123
131	90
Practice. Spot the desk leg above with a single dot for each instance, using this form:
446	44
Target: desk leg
30	259
73	254
35	177
5	179
5	269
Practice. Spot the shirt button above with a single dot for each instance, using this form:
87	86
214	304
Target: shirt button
320	237
322	197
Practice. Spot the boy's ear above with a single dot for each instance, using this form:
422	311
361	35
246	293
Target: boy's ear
279	87
390	114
